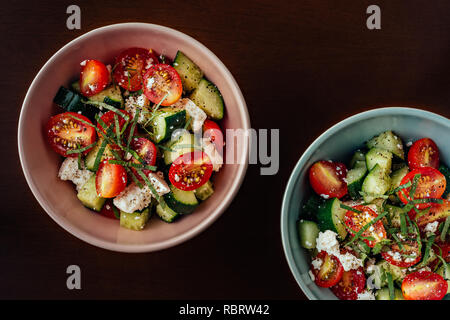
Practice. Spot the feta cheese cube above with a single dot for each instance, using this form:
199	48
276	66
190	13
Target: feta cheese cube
213	154
133	198
69	171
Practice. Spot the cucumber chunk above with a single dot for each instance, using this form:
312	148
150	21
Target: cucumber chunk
89	161
165	122
308	231
182	145
166	214
71	101
330	216
205	191
207	96
397	177
189	72
388	141
110	95
181	201
357	156
355	178
134	221
381	157
88	195
383	294
376	184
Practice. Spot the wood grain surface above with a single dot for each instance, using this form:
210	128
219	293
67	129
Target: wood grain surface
302	66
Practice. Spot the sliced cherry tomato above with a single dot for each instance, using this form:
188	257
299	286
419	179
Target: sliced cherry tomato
94	77
405	257
431	184
423	153
109	210
162	79
211	131
353	282
424	285
66	133
147	151
190	170
327	178
131	65
355	221
110	180
438	212
330	271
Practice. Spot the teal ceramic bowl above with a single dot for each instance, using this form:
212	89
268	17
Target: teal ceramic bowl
338	143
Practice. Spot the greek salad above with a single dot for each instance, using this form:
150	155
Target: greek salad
139	136
380	229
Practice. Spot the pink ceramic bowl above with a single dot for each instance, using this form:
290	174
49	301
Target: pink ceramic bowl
40	164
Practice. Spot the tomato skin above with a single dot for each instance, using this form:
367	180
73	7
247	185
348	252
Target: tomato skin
108	210
327	278
424	285
438	212
94	77
147	151
431	184
423	153
190	166
111	179
159	80
327	178
212	131
109	119
409	247
355	221
352	283
62	129
131	65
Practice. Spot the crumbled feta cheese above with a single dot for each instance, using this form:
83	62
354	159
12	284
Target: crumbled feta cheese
325	196
326	241
197	114
409	144
431	227
150	82
133	198
317	263
131	105
158	183
83	63
210	149
69	171
366	295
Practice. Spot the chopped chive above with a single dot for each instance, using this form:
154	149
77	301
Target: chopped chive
116	122
401	187
80	167
81	150
116	212
99	155
412	191
430	241
164	148
343	206
427	200
135	119
187	123
133	165
445	229
390	286
403	224
366	226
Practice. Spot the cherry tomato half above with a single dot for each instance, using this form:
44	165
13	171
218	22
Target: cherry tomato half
353	282
330	271
431	184
327	178
437	212
423	153
65	133
147	151
211	131
131	65
162	79
190	170
111	179
405	257
94	77
355	221
424	285
109	210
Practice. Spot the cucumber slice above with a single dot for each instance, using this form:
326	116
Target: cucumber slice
388	141
88	195
397	176
181	201
71	101
205	191
166	214
207	96
357	156
446	172
355	179
383	294
381	157
111	96
376	184
182	145
165	122
189	72
308	232
330	216
89	161
134	221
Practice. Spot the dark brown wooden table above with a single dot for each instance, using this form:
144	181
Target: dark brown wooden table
300	64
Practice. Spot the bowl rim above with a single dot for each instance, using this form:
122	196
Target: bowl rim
308	152
204	224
